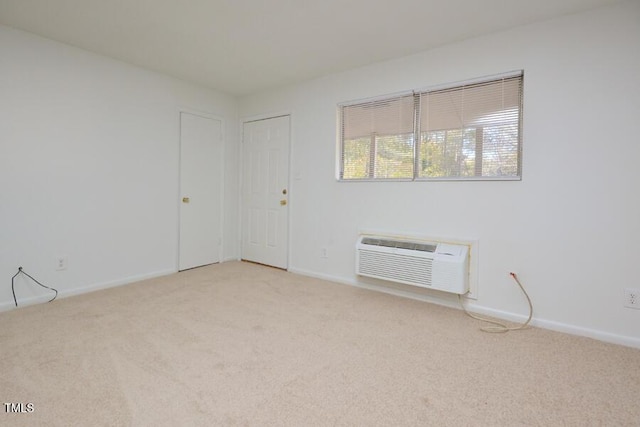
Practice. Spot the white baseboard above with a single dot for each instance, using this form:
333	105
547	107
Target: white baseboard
118	282
558	326
10	305
84	289
386	290
478	309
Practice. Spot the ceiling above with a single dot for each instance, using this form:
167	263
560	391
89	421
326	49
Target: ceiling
245	46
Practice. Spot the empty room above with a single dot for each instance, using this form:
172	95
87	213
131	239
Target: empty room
332	213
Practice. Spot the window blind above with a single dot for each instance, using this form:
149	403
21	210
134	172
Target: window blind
466	131
471	130
378	139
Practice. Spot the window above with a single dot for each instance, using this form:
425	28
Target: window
467	132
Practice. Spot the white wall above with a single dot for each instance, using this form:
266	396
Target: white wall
570	228
89	167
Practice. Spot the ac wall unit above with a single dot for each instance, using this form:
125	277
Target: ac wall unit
432	265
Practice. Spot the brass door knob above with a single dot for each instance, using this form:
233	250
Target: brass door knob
185	200
283	202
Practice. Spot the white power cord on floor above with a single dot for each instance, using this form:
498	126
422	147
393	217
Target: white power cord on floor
499	327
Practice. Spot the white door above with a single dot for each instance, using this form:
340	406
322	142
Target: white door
200	191
265	192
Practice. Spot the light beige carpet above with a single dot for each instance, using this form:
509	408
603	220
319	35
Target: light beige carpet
240	344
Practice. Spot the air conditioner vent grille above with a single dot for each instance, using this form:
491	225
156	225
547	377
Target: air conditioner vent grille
427	264
399	268
423	247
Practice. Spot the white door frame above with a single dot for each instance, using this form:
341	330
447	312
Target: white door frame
254	118
205	115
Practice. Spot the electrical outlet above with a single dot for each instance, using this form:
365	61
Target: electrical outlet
324	253
61	263
632	298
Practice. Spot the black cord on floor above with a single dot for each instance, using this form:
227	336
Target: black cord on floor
20	270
